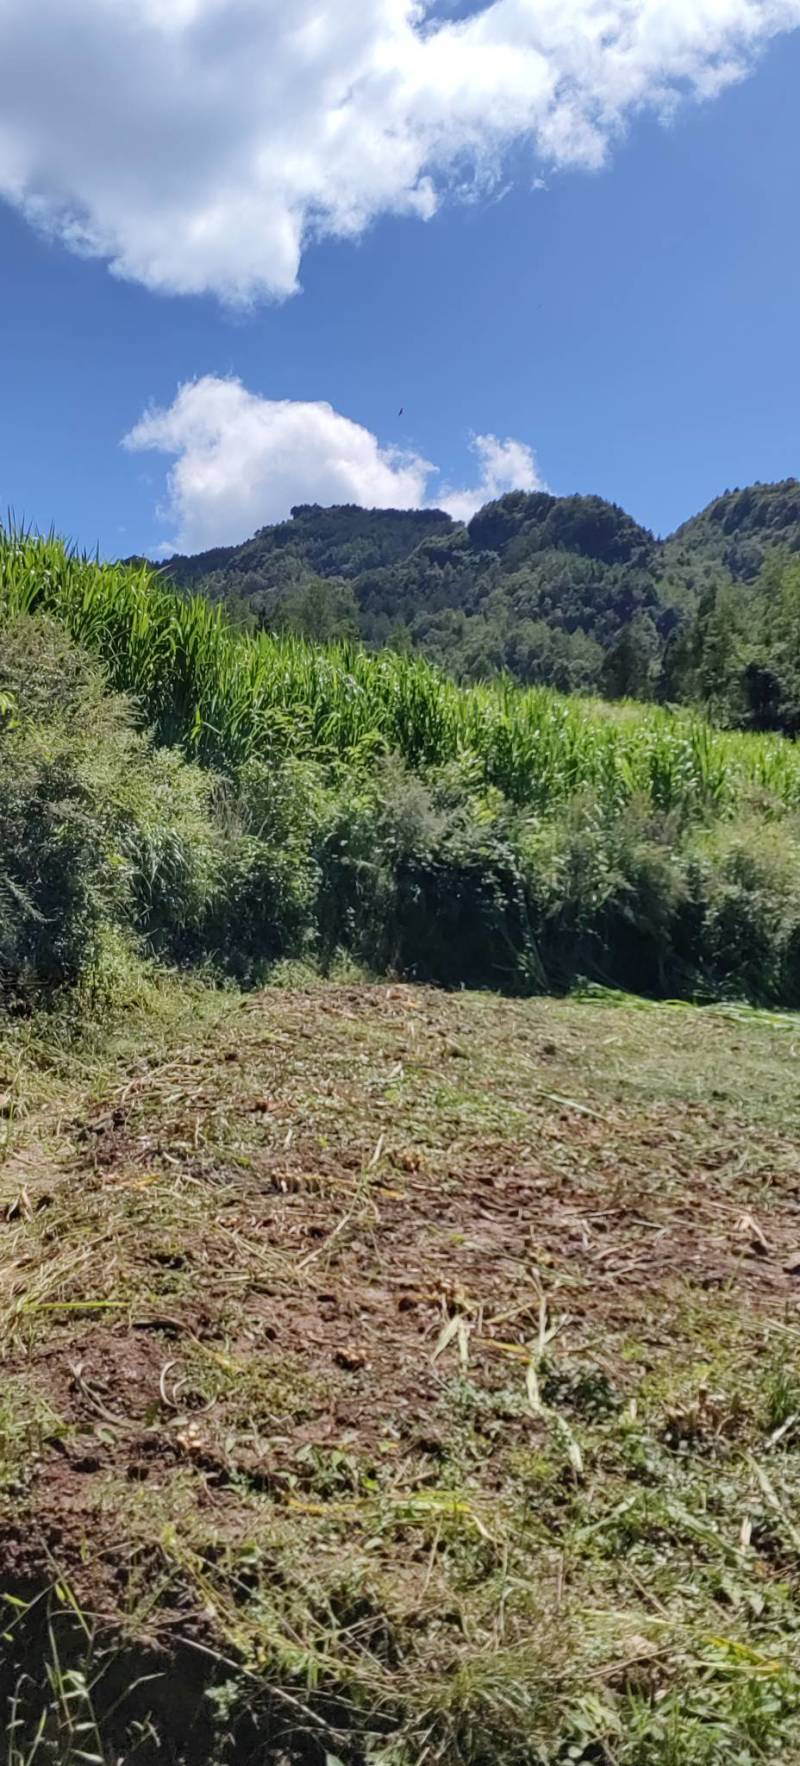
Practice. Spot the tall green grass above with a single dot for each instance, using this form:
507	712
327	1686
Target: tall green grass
226	697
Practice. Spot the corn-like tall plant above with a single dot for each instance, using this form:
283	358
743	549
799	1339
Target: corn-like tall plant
226	698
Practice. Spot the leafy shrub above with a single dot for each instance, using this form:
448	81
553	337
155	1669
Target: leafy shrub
603	892
171	848
741	928
267	816
97	829
419	877
57	875
60	877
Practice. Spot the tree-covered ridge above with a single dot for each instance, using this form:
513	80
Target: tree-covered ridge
568	592
536	585
522	524
339	541
740	528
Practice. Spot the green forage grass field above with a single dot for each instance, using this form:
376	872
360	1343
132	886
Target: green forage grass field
230	696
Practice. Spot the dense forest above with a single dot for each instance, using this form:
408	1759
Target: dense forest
568	592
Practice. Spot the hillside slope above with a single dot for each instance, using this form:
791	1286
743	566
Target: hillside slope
339	541
738	530
546	588
535	584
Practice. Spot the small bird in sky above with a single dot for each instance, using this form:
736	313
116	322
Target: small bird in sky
402	411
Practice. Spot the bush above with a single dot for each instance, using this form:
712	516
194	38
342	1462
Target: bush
419	876
58	880
60	877
741	927
97	829
356	894
604	890
267	817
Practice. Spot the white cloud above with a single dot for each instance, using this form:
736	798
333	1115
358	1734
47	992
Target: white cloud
198	144
241	462
505	466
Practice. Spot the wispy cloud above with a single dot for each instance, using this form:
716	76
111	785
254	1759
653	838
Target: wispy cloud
504	466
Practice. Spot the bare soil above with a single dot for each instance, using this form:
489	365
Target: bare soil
356	1257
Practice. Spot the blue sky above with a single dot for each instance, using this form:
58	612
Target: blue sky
634	325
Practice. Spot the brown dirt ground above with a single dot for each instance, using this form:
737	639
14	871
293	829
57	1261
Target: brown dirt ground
253	1282
253	1248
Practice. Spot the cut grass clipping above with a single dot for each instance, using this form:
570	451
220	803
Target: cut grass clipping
393	1378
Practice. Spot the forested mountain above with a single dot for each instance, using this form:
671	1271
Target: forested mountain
331	542
738	530
566	591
